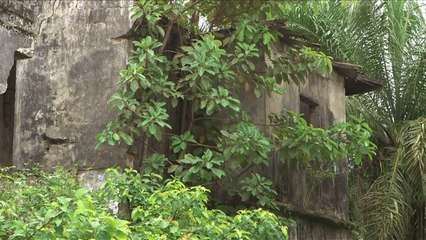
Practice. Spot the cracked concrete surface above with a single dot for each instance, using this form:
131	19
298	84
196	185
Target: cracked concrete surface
16	22
64	78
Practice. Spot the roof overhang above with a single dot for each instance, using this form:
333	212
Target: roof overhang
356	82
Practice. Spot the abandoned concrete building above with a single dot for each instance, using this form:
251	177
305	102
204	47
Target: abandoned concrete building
59	62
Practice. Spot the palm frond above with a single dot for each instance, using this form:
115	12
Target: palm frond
412	155
390	203
386	211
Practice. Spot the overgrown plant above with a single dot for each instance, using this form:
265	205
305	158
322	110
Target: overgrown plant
35	205
190	61
305	144
173	211
40	206
181	88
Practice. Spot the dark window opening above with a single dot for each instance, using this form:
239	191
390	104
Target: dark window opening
7	119
308	109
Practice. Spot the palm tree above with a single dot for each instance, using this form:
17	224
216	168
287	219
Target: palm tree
388	39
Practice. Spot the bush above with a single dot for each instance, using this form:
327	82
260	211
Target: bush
37	205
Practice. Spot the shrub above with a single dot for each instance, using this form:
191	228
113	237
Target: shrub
37	205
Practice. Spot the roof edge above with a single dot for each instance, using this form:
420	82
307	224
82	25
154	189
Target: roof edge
355	81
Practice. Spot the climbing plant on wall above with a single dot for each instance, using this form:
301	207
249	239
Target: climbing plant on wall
181	85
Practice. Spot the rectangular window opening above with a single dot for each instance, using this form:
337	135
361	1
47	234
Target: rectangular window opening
308	109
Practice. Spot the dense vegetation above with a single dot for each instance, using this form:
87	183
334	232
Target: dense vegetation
182	69
35	205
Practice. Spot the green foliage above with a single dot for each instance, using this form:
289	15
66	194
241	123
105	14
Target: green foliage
199	169
180	143
258	187
245	143
399	192
36	205
295	64
173	211
203	72
155	163
305	144
182	70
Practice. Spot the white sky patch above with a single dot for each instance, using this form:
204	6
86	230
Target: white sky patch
203	24
422	4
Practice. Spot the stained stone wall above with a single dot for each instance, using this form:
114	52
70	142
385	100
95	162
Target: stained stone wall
319	206
73	55
16	33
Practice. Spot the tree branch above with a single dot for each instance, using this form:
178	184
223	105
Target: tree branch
166	36
44	225
203	145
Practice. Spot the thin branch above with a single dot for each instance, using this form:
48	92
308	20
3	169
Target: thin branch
268	125
189	7
180	37
166	36
150	148
144	153
170	134
209	118
203	145
45	224
191	121
170	26
245	170
145	144
234	15
171	51
210	183
216	14
183	116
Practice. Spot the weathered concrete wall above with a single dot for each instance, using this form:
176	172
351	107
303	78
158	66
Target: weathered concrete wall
62	90
315	204
313	199
16	32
